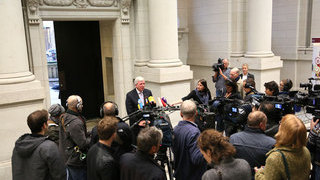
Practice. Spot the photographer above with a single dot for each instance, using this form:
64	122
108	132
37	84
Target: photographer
249	86
285	86
272	88
232	90
220	77
314	147
273	118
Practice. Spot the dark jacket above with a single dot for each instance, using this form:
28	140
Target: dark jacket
229	169
101	165
132	103
314	144
248	76
36	157
252	145
193	95
140	166
73	133
53	131
188	160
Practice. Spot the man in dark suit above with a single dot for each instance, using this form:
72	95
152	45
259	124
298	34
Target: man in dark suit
137	94
245	74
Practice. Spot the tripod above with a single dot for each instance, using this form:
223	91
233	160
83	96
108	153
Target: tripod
164	159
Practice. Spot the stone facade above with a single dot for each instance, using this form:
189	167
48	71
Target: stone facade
171	43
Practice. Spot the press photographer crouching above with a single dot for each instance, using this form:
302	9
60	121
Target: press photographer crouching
249	88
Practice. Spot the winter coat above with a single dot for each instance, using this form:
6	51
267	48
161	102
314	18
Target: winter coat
36	157
140	166
72	136
229	169
299	164
188	160
101	164
252	145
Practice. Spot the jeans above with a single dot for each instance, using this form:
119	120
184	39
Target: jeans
77	173
315	172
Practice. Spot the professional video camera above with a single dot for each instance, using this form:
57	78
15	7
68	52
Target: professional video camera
205	119
234	111
218	65
310	100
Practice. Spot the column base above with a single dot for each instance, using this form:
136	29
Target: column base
265	69
259	54
164	63
170	83
17	101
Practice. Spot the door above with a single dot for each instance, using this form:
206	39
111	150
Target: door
79	63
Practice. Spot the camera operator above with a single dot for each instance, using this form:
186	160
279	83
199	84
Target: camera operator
314	147
273	118
220	77
272	88
232	90
285	86
249	86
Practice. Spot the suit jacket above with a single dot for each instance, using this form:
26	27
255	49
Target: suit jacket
132	102
249	76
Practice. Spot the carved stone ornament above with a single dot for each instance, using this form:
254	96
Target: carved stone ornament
103	3
58	2
33	11
80	3
125	14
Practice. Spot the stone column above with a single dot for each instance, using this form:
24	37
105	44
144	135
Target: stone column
141	33
259	28
164	74
20	93
163	30
262	62
238	15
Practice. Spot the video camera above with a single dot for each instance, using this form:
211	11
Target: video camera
216	66
310	100
234	110
206	119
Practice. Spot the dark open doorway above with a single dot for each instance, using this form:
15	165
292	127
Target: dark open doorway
79	63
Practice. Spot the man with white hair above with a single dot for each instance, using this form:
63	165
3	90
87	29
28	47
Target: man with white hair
235	77
189	162
137	94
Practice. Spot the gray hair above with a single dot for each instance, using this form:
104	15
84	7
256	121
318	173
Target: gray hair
235	70
73	100
138	79
188	109
148	137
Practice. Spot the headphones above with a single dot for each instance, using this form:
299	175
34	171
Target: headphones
102	108
79	103
247	85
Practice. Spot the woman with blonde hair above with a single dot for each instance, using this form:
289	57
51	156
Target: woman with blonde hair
290	159
218	152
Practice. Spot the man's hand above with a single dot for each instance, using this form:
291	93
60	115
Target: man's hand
144	123
313	124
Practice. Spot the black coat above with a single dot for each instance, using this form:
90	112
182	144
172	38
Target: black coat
101	164
193	95
140	166
248	76
132	102
36	157
72	133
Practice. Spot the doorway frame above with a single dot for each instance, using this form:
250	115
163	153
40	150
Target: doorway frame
116	13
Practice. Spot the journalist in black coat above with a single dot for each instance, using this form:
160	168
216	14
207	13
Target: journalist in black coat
133	97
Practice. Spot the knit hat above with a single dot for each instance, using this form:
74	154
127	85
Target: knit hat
56	110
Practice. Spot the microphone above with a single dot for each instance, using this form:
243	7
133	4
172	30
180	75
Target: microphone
140	104
152	102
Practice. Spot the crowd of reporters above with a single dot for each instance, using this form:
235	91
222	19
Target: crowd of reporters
267	145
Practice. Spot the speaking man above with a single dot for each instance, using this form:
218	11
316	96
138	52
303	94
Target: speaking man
137	94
